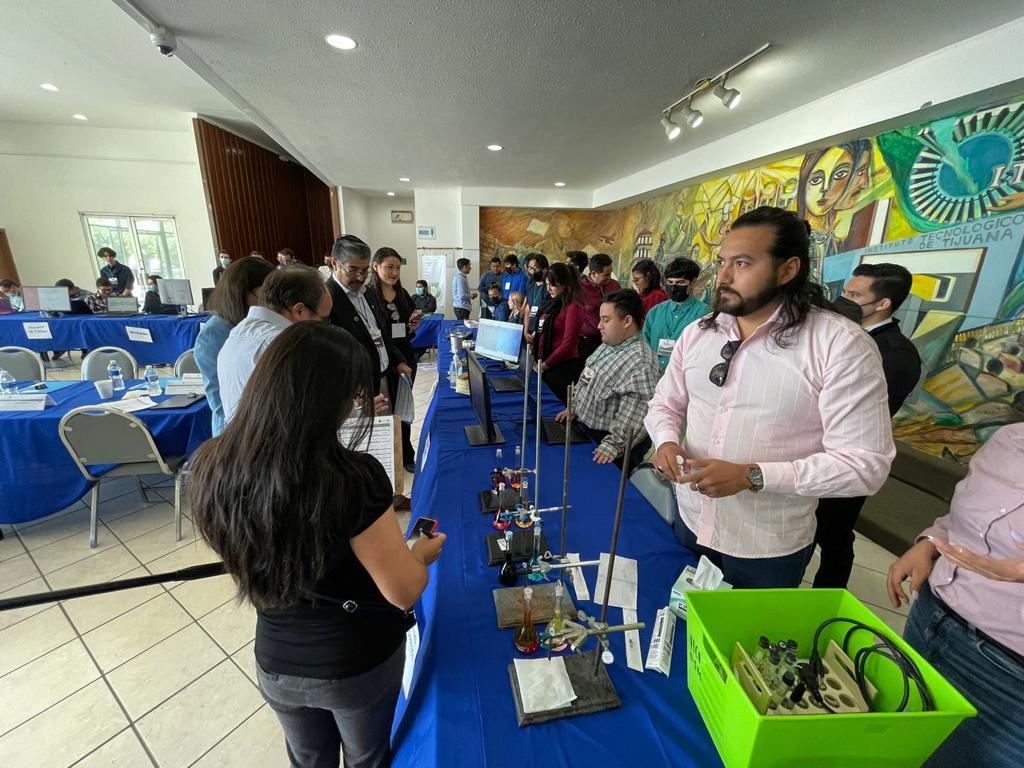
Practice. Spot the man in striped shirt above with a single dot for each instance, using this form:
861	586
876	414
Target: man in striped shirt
783	401
618	380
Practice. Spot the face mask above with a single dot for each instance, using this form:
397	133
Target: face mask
225	262
510	269
151	288
420	291
851	310
678	293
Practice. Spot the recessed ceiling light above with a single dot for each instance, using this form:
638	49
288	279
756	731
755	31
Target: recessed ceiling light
559	183
404	178
49	87
79	116
494	147
341	42
391	194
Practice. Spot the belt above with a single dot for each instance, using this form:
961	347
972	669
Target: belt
1011	654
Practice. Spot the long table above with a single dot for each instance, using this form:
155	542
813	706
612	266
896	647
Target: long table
38	476
427	332
171	335
459	710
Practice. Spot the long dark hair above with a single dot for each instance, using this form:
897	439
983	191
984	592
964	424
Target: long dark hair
565	276
800	295
647	268
230	299
270	494
402	300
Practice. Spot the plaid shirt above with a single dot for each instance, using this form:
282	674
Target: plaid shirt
614	389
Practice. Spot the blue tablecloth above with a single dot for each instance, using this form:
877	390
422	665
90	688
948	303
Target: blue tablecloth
460	710
171	334
427	332
38	477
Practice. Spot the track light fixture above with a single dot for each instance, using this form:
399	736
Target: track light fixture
730	97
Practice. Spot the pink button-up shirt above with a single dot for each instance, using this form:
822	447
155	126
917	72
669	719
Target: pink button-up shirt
813	415
987	507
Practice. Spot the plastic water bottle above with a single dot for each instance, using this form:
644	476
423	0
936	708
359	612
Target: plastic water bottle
114	374
7	386
152	381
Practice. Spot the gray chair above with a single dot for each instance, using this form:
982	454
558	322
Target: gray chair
23	364
96	435
186	363
94	365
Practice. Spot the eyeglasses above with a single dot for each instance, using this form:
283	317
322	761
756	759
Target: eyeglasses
357	272
720	372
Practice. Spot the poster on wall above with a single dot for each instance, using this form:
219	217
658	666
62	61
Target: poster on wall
433	267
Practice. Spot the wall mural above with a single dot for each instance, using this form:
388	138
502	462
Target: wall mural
945	199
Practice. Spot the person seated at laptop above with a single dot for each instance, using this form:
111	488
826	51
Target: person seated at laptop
153	304
423	299
79	298
511	311
617	382
98	301
11	291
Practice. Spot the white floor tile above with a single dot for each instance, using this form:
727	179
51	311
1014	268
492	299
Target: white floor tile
157	674
195	553
11	617
159	542
73	548
257	741
869	555
17	571
870	587
40	684
123	751
141	521
203	595
35	529
125	504
10	545
87	613
232	625
94	569
183	728
84	721
34	637
134	632
246	659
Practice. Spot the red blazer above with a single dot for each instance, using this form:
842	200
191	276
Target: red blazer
566	330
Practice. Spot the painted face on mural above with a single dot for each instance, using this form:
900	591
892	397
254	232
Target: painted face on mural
859	181
828	181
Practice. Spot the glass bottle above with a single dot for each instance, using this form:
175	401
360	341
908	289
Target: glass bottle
517	476
761	654
535	575
507	575
524	492
501	521
496	473
555	626
114	374
526	640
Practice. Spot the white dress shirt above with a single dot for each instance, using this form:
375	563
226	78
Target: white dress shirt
813	415
238	357
358	300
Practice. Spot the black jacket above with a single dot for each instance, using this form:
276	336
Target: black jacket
344	315
900	362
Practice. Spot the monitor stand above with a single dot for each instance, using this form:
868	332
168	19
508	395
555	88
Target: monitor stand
476	435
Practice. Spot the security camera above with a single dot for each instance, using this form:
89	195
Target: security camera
164	42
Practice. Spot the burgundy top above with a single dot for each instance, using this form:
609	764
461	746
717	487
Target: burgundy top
566	330
592	298
653	298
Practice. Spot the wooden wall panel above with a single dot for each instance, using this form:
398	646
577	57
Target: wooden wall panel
257	201
9	270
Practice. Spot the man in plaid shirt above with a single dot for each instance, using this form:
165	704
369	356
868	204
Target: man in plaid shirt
618	381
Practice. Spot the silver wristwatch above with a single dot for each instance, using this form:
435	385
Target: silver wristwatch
756	478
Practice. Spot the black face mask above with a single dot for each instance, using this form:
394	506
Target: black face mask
851	310
678	293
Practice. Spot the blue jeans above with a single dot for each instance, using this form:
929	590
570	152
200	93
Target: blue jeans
988	675
750	572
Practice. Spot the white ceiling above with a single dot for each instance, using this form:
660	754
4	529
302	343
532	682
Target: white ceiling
572	89
106	68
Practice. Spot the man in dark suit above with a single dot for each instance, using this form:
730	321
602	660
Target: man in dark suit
877	290
358	311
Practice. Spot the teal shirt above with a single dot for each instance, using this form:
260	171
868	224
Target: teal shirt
667	321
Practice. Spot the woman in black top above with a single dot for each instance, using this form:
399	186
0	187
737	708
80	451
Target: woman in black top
306	528
401	319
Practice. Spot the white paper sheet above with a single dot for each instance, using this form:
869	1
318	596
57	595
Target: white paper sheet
139	334
412	647
32	402
579	584
131	404
659	654
544	684
380	443
624	582
37	330
184	388
634	658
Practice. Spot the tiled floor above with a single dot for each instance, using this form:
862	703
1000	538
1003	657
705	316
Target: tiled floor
161	675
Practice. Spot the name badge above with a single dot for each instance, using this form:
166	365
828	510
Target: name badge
508	285
588	373
113	280
540	324
398	330
376	336
665	347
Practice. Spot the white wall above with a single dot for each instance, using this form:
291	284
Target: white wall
354	213
52	174
380	233
442	209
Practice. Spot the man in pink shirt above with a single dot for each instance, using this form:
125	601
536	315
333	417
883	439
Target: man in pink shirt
783	401
967	577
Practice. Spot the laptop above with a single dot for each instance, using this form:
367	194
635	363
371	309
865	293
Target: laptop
122	306
5	306
512	383
554	433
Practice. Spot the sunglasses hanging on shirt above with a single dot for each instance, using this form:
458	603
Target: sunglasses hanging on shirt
720	372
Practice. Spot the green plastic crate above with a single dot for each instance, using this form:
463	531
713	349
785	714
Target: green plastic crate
717	620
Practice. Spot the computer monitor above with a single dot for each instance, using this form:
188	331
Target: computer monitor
122	304
176	292
485	432
207	293
499	341
40	298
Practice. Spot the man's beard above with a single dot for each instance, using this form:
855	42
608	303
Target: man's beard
738	306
